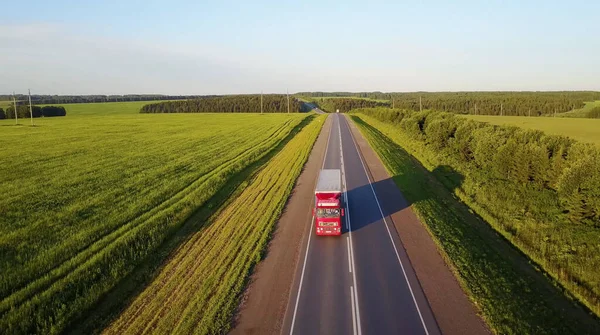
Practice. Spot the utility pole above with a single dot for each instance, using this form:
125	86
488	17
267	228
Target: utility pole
501	110
529	112
420	104
15	104
288	98
261	103
30	109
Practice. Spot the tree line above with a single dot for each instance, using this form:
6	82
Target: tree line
271	103
546	177
344	105
73	99
484	103
37	111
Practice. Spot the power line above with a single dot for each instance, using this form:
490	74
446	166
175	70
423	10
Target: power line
15	104
30	109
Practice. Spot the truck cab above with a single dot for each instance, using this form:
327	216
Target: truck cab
328	211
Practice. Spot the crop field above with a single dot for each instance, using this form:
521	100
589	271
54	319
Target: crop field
586	130
89	196
215	261
513	296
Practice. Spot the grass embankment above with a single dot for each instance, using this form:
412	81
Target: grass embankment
200	286
585	130
86	198
513	297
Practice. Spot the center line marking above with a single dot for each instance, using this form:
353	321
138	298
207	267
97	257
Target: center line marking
353	310
349	263
354	293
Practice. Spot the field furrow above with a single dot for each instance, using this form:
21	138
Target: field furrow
116	202
198	289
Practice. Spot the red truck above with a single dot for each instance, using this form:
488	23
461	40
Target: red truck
328	209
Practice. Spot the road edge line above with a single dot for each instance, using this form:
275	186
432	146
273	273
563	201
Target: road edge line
387	228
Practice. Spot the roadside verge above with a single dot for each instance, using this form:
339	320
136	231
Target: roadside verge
264	302
513	296
453	311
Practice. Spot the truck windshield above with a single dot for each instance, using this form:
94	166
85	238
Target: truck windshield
328	212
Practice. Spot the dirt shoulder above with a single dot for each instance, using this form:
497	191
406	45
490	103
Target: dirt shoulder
454	312
265	300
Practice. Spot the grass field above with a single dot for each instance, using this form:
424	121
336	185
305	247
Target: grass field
88	196
585	130
514	296
581	112
215	261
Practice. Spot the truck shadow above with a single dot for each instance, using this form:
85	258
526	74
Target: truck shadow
365	208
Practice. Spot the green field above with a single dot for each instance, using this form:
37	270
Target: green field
215	261
89	196
513	295
581	112
586	130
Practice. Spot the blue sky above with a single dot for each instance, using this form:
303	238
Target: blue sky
218	47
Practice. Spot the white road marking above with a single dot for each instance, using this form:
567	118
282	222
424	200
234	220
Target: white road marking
388	230
357	326
312	223
349	263
353	310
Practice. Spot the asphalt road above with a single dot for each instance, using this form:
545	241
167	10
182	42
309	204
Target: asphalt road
357	283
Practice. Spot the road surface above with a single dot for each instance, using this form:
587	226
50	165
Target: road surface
360	282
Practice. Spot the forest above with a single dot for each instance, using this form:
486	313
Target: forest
73	99
271	103
480	103
36	111
344	105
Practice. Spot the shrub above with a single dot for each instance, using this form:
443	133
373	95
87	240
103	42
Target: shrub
48	111
594	113
579	190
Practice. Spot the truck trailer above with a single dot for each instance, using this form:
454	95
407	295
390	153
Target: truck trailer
328	211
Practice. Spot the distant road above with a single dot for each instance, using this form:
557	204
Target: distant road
356	283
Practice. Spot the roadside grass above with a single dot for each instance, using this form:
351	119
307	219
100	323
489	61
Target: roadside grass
199	287
581	129
86	199
513	295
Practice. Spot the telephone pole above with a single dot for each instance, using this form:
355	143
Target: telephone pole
15	104
420	105
288	99
501	110
30	109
